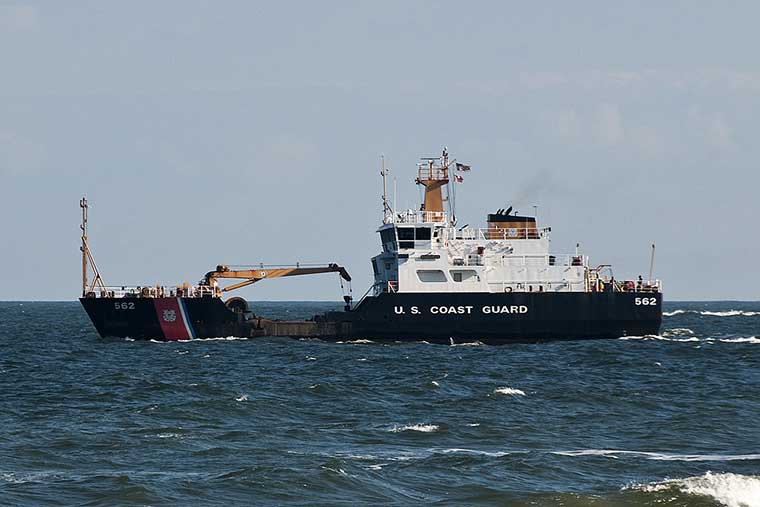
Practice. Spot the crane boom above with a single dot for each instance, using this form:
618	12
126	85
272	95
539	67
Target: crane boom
251	276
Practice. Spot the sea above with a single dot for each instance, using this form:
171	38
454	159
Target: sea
666	420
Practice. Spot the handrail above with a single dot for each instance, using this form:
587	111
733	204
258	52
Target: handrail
160	291
497	234
419	217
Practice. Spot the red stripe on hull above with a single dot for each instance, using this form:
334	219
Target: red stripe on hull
171	319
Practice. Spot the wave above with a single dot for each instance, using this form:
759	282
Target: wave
242	397
666	338
493	454
423	428
707	313
731	313
660	337
659	456
359	341
509	391
747	339
731	490
678	331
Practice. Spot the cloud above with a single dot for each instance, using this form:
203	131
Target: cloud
608	125
19	155
19	18
713	128
597	80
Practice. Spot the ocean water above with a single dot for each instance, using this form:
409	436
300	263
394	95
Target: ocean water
668	420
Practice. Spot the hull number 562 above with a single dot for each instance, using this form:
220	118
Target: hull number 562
645	301
131	306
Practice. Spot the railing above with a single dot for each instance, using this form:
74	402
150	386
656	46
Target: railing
432	173
550	260
417	217
491	234
633	286
124	291
644	286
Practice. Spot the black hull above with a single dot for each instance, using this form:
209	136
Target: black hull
435	317
503	318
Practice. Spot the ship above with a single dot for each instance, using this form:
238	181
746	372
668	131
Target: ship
434	281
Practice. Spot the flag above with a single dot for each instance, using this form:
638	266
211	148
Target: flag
458	178
462	167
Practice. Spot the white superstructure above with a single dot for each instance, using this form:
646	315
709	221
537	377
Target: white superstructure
422	255
424	251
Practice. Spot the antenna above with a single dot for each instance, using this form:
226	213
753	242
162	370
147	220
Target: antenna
384	173
651	264
395	200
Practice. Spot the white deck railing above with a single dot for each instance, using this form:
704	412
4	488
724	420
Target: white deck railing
137	291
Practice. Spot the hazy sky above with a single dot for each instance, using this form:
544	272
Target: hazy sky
240	132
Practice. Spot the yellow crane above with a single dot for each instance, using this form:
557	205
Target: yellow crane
250	276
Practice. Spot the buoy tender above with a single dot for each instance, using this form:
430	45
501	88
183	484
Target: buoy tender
433	281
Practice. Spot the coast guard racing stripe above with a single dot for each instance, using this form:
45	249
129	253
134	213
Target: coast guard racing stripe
174	320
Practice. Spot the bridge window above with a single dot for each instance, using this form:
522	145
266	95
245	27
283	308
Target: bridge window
431	275
423	233
406	233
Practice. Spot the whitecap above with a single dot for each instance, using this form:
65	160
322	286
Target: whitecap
436	384
467	344
361	340
679	330
674	312
659	456
661	338
472	425
311	358
493	454
218	338
748	339
730	313
731	490
242	397
424	428
509	391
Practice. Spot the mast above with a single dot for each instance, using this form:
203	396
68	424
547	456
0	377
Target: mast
83	248
87	259
386	206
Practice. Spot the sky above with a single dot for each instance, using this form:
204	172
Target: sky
239	132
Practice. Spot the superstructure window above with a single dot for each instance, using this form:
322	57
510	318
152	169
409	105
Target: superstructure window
464	275
431	275
406	233
423	233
